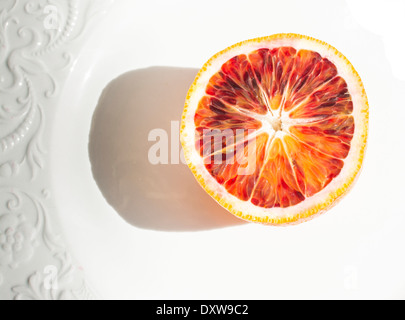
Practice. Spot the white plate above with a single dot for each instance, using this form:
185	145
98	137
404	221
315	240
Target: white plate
179	243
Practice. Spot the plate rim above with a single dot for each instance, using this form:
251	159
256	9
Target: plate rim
40	43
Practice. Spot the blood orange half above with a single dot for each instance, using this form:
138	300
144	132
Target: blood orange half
275	128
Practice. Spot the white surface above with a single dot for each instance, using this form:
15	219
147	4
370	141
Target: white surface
355	251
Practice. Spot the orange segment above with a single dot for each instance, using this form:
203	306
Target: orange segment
236	85
332	98
214	114
277	186
272	69
313	170
217	125
332	136
309	73
237	168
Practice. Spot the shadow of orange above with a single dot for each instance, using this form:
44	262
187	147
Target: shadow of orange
158	197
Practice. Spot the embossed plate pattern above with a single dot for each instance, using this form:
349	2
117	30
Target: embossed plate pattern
38	43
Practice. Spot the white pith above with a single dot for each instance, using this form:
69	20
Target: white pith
352	162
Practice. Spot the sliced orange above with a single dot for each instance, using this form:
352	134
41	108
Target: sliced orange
275	128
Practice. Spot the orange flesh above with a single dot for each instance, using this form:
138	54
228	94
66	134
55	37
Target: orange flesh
266	168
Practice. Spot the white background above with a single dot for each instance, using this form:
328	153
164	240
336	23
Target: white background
354	251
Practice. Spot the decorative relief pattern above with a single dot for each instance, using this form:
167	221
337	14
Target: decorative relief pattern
32	33
36	37
17	240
